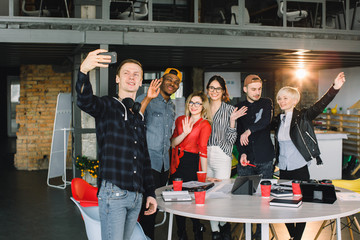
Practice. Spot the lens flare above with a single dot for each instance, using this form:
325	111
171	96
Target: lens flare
301	73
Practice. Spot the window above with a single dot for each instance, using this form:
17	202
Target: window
13	84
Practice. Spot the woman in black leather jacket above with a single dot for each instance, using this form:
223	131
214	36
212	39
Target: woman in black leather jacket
295	140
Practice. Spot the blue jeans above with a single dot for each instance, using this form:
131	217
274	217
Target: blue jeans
119	210
266	169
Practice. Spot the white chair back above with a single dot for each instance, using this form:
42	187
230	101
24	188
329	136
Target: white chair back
291	16
91	219
235	15
93	227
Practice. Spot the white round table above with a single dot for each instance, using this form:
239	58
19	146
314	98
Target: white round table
255	209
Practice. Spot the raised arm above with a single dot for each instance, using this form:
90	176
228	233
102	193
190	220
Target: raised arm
231	133
319	106
339	80
187	126
237	113
94	60
86	100
152	93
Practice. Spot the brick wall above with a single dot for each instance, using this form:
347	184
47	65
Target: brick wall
39	88
308	87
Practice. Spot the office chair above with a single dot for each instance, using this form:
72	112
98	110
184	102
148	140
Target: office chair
84	193
53	8
90	212
91	219
291	16
34	13
235	15
138	12
352	185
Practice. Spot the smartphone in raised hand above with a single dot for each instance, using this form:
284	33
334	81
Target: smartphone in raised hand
113	56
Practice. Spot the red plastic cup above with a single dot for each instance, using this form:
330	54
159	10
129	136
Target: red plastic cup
265	189
200	197
326	182
201	176
177	184
296	187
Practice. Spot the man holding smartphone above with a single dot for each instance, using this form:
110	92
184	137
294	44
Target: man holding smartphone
125	169
159	118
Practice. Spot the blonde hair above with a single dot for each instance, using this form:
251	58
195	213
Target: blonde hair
289	91
205	112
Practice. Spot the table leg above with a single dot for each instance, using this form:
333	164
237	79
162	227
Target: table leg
248	231
265	231
338	228
171	217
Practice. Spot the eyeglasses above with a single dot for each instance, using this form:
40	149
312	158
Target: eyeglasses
196	104
211	89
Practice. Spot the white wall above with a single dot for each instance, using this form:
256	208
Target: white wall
349	93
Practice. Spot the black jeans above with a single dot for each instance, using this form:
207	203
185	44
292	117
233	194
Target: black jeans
266	169
296	230
148	221
188	166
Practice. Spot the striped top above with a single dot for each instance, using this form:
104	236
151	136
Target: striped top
222	134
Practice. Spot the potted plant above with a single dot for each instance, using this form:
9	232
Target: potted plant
88	167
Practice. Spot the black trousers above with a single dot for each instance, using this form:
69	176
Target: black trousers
188	166
297	174
181	225
296	230
147	222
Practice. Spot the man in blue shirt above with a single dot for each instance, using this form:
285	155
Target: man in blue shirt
159	118
124	166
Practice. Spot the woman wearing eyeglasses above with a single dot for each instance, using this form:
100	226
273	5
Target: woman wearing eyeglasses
189	143
221	141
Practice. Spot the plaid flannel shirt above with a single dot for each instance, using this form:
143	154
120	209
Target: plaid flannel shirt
121	138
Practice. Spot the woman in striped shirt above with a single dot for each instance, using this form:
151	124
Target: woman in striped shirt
221	141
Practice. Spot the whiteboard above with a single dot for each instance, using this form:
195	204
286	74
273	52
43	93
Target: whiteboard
60	137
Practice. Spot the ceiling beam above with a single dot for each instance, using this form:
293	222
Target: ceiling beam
174	39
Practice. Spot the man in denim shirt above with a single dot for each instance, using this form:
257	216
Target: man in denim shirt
159	118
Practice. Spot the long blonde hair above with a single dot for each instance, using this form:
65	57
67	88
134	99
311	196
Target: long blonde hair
205	112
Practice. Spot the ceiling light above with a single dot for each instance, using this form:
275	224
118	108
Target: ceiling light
301	73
